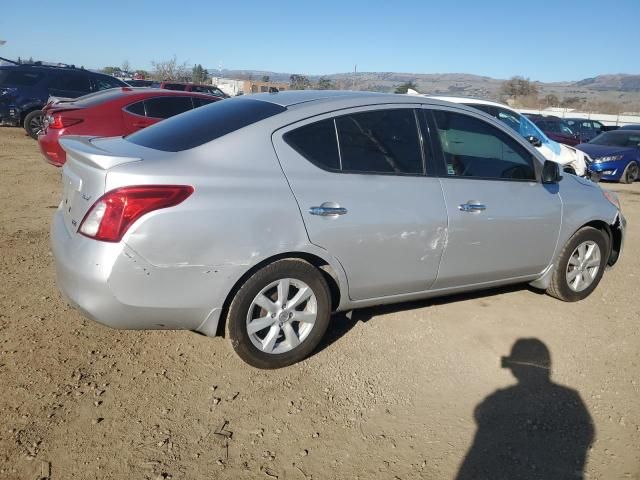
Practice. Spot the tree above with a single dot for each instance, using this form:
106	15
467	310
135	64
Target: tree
551	100
199	74
298	82
111	70
404	87
266	78
325	83
518	87
125	66
571	102
170	70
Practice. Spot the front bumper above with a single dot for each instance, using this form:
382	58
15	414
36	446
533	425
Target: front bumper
113	285
9	114
611	171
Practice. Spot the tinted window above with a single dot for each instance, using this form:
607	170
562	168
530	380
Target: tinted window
317	143
137	108
473	148
383	141
19	78
103	82
174	86
202	125
165	107
199	102
71	81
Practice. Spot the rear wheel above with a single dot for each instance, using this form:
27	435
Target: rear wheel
280	314
34	123
580	265
630	173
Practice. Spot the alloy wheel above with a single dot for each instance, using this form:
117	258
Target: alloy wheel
583	266
281	316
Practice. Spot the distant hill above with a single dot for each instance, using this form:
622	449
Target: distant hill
622	89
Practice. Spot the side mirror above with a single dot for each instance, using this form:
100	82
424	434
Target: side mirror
551	172
535	141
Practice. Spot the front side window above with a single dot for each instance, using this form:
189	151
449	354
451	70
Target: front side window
165	107
474	148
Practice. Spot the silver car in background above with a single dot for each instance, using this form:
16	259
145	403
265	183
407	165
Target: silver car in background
259	216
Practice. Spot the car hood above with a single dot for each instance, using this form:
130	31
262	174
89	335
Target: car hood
595	151
567	156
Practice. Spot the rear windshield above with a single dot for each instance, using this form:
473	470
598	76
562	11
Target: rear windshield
11	77
201	125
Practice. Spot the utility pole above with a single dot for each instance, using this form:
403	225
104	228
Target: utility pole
355	71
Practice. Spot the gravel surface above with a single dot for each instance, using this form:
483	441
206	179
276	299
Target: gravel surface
390	394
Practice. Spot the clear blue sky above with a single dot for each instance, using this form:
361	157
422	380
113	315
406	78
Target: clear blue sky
544	40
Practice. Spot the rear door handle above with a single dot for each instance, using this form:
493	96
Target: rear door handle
327	211
472	207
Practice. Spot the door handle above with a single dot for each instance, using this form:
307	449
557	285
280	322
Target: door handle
327	211
472	207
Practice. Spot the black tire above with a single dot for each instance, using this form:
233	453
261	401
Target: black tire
33	123
630	173
239	309
559	287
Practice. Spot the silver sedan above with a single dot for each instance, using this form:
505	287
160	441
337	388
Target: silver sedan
259	216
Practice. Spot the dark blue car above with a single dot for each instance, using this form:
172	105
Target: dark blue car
615	154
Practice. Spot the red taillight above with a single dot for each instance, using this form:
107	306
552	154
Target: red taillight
59	121
112	215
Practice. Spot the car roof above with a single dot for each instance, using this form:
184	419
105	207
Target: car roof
337	98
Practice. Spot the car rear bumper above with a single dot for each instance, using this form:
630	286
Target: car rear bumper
51	149
113	285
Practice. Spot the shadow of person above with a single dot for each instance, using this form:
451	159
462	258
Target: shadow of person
535	429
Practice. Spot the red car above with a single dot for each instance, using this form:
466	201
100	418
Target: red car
556	129
111	113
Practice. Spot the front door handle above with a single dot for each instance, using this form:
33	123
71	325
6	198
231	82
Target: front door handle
472	207
325	210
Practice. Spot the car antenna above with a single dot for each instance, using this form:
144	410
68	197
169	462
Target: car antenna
10	61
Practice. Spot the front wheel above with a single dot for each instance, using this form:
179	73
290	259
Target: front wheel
280	314
34	123
630	173
580	265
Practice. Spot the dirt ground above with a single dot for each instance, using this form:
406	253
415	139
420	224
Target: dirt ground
390	394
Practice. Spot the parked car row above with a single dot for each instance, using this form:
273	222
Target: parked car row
26	88
114	112
260	216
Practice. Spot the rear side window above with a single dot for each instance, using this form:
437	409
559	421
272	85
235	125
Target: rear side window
474	148
174	86
71	81
381	141
136	108
165	107
205	124
103	82
317	143
19	78
200	102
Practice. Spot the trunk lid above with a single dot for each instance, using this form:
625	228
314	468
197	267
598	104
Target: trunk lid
84	175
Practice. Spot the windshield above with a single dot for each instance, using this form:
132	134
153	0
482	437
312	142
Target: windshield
617	139
526	128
